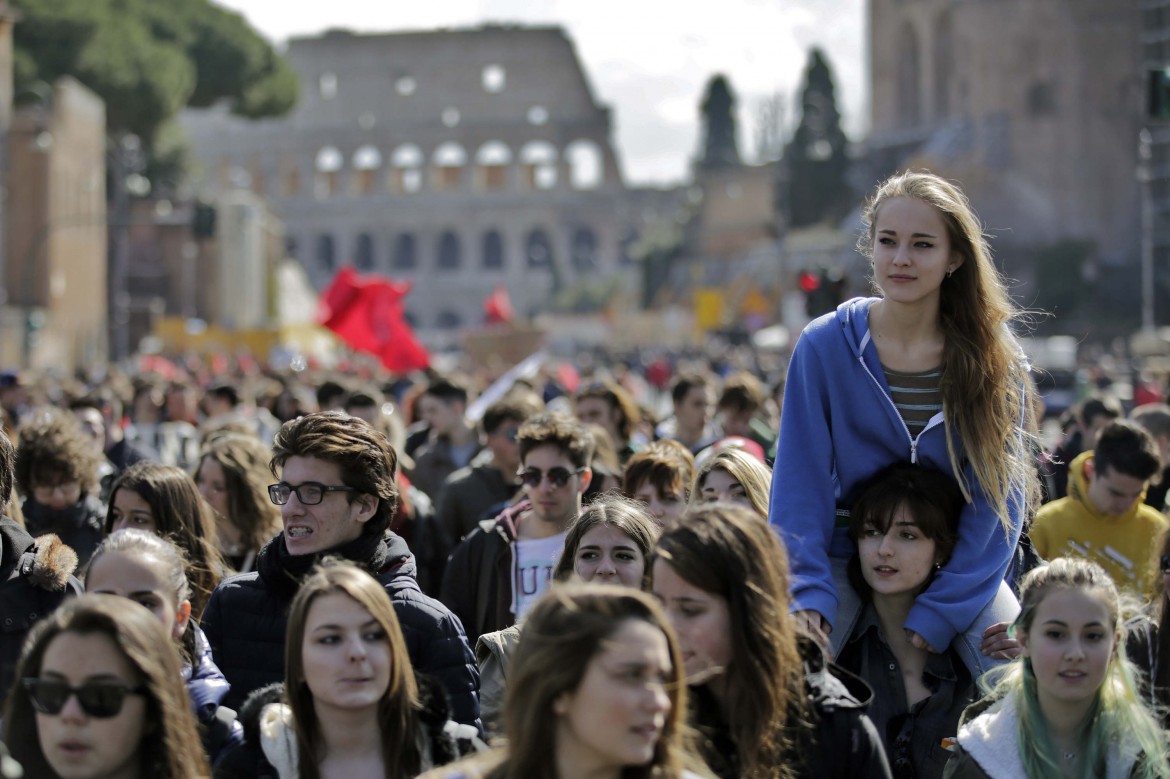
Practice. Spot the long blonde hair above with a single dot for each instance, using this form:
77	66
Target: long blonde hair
986	390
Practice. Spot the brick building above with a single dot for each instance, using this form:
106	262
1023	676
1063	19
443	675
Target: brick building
55	243
1035	107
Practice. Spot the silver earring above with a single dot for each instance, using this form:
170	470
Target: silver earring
950	273
938	566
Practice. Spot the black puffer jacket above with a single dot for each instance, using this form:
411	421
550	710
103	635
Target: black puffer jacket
80	527
35	577
245	621
248	760
841	744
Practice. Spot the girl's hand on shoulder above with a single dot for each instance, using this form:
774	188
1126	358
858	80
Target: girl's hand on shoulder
998	643
814	625
918	642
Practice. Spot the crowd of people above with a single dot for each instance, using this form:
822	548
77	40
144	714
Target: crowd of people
870	566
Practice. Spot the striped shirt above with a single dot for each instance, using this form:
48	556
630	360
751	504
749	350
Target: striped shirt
917	396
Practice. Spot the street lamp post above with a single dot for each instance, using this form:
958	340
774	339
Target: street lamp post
1144	176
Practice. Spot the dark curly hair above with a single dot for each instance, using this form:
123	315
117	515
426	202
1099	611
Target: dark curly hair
53	448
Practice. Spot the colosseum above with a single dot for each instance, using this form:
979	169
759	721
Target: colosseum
457	159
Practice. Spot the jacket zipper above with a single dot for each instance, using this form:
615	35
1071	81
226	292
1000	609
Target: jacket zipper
935	420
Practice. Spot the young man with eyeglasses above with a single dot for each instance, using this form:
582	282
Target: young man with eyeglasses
501	568
337	495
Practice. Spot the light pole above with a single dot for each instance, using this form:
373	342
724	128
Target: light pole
1144	176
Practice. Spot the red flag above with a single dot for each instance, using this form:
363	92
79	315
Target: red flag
498	306
367	313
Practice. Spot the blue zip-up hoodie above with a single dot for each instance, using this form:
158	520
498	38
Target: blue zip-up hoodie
838	429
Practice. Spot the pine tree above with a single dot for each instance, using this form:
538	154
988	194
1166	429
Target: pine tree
720	148
816	157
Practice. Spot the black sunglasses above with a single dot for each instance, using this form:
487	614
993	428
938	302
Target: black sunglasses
557	477
309	494
97	699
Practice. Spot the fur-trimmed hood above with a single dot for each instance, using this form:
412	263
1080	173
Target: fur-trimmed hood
45	561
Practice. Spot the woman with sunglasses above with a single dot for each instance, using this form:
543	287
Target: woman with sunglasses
152	571
351	705
100	696
495	574
164	500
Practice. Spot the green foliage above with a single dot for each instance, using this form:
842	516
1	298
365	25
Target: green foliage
149	58
720	147
816	156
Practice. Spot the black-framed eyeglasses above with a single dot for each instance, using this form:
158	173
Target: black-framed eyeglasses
557	477
309	493
97	699
1164	562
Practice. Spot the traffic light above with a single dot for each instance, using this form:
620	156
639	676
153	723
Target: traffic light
822	291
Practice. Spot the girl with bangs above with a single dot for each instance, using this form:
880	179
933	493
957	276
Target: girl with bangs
1068	707
905	524
731	474
350	704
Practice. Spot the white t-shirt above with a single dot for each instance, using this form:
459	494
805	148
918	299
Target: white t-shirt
533	561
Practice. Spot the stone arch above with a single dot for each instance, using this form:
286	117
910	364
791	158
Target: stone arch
366	161
406	164
447	164
449	251
492	257
908	79
538	160
363	252
538	248
405	256
586	164
491	166
583	249
327	164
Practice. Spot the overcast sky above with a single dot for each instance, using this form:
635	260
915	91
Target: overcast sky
647	59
